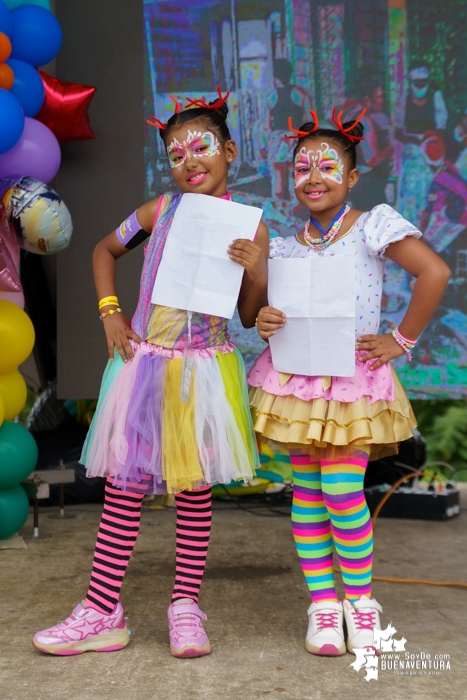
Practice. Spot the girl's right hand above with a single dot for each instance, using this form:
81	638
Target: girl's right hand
269	321
118	331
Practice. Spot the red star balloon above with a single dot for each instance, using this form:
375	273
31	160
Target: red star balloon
65	109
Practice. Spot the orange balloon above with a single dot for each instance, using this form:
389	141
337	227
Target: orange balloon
5	47
7	77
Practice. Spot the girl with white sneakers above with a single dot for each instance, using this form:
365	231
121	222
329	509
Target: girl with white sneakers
332	426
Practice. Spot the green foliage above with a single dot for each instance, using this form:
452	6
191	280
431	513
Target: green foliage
443	424
448	436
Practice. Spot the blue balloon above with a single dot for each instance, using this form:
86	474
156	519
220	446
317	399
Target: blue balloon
36	36
28	87
6	20
11	120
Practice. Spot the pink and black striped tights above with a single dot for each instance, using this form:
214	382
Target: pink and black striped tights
116	538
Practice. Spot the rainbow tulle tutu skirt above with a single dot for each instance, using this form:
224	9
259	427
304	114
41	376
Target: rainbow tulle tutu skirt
167	421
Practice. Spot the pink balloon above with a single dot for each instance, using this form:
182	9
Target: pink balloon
9	280
36	154
14	250
15	298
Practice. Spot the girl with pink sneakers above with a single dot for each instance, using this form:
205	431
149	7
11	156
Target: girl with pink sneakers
332	425
173	413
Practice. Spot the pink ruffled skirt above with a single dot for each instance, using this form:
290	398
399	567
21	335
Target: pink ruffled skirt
331	413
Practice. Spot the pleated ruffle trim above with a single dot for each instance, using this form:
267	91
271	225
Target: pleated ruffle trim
333	427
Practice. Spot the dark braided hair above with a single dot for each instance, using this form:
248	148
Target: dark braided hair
347	145
214	119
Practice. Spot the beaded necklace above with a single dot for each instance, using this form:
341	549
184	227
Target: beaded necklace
327	237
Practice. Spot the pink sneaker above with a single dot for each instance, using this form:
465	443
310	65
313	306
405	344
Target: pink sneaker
85	629
186	631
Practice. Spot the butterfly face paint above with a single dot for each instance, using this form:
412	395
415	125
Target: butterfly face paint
327	161
196	145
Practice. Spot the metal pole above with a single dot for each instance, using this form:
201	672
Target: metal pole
61	492
35	531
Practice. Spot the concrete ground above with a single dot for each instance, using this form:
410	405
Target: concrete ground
256	600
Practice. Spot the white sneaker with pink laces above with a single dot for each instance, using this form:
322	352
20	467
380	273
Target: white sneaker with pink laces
361	618
325	635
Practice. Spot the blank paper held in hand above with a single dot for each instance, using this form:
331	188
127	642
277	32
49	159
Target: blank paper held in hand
196	273
317	296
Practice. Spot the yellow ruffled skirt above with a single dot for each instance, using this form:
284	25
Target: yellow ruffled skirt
333	427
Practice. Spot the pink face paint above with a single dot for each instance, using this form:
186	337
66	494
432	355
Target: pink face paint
302	167
196	145
327	161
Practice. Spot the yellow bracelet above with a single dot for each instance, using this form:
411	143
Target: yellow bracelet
108	301
110	313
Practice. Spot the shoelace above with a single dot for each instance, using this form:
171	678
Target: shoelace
65	623
69	621
364	620
327	619
185	620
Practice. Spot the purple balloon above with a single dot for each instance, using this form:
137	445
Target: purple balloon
36	154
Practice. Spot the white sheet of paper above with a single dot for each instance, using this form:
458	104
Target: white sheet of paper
318	297
195	272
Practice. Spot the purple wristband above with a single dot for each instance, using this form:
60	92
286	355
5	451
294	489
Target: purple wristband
128	229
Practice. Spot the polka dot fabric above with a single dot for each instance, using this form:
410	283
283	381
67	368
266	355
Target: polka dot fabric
366	242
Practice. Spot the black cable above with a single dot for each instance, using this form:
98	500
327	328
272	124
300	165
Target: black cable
273	513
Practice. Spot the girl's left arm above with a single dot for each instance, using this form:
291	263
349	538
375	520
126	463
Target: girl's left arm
253	256
432	275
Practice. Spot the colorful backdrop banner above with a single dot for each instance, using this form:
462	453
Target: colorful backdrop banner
404	60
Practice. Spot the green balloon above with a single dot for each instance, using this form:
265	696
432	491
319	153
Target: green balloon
18	454
13	4
42	3
14	509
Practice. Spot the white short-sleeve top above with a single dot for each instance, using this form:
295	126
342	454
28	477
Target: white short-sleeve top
366	241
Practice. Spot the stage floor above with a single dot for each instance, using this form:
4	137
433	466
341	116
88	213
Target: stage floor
256	600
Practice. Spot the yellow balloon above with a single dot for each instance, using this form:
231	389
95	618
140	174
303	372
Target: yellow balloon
16	336
2	410
14	392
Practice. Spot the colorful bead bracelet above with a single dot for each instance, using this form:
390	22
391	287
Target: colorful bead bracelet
406	344
110	313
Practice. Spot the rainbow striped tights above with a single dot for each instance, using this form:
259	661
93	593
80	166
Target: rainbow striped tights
329	508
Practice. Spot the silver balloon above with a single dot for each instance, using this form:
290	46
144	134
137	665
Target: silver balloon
34	215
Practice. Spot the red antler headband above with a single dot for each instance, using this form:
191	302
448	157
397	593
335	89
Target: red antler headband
154	121
338	123
202	103
296	133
